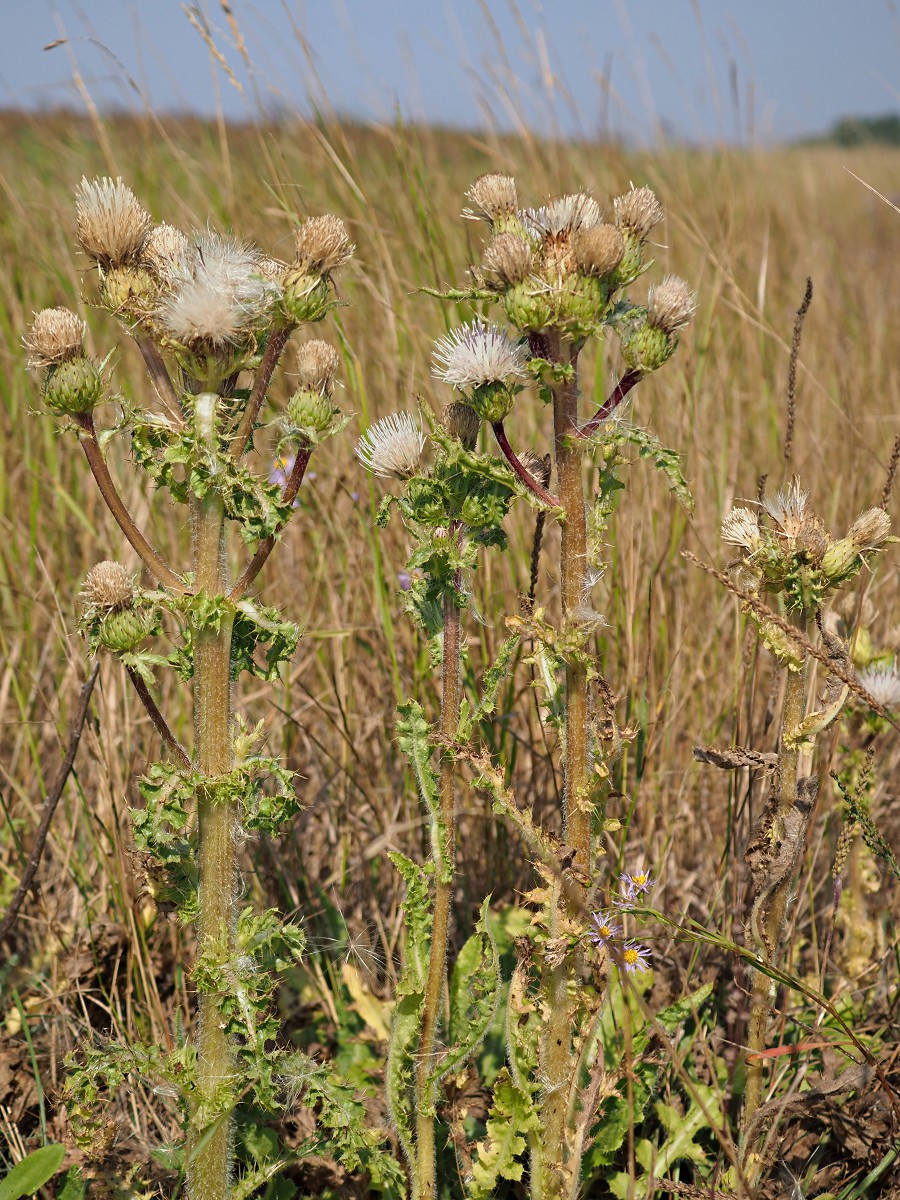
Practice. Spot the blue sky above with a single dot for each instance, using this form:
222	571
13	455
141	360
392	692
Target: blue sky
703	70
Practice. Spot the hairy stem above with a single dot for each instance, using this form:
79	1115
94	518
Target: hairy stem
558	1062
116	506
210	1149
159	374
769	923
451	695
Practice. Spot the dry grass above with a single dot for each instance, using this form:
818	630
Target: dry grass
89	952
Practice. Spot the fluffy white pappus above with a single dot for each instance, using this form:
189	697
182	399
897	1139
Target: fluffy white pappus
219	293
787	508
565	214
477	354
392	447
741	528
882	684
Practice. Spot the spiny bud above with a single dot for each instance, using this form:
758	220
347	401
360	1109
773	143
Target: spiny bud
165	247
112	224
56	336
599	249
322	245
123	630
649	348
638	211
870	530
317	364
73	387
120	286
508	259
461	422
671	304
109	586
311	412
493	197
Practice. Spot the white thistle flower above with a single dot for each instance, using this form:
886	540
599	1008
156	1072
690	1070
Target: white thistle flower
788	508
392	447
565	214
741	528
882	684
476	354
111	222
219	294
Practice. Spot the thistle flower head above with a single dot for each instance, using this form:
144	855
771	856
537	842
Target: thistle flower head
741	528
322	245
635	957
165	247
508	259
870	530
671	304
492	197
392	447
602	930
882	684
565	215
317	364
108	586
598	249
536	466
461	422
478	354
112	224
218	297
56	336
788	508
638	211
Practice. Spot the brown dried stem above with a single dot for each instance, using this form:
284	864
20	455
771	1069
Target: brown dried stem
160	723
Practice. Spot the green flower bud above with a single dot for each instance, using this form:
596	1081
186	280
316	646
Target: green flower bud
122	285
305	296
527	306
841	559
583	300
311	410
631	265
124	629
649	348
492	401
73	387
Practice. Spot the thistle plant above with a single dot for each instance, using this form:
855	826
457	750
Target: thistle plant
211	317
787	570
559	275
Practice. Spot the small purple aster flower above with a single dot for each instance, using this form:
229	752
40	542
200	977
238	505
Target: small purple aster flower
354	496
405	581
635	957
634	886
601	930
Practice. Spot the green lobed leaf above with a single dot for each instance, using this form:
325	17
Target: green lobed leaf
414	738
512	1116
475	987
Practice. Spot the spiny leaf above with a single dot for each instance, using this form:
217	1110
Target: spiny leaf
474	996
512	1116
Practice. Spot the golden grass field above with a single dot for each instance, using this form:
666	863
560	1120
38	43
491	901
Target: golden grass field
89	951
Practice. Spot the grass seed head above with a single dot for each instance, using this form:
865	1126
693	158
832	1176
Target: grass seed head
56	336
112	224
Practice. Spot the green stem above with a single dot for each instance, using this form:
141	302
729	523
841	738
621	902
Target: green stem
426	1088
558	1061
210	1144
769	911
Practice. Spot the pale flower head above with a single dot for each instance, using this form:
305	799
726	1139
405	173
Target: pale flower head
165	248
317	364
564	215
492	196
322	245
882	684
392	447
111	222
638	211
508	258
109	586
56	336
870	530
478	354
671	304
219	296
788	508
741	528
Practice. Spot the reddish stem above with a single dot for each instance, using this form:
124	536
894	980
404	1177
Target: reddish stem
274	347
265	548
523	473
615	398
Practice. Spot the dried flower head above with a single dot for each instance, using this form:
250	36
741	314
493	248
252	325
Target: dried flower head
537	466
508	259
461	422
111	222
317	364
56	336
108	586
218	296
322	244
788	508
741	528
565	215
882	684
492	196
638	211
165	247
598	249
870	530
478	354
671	304
392	447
